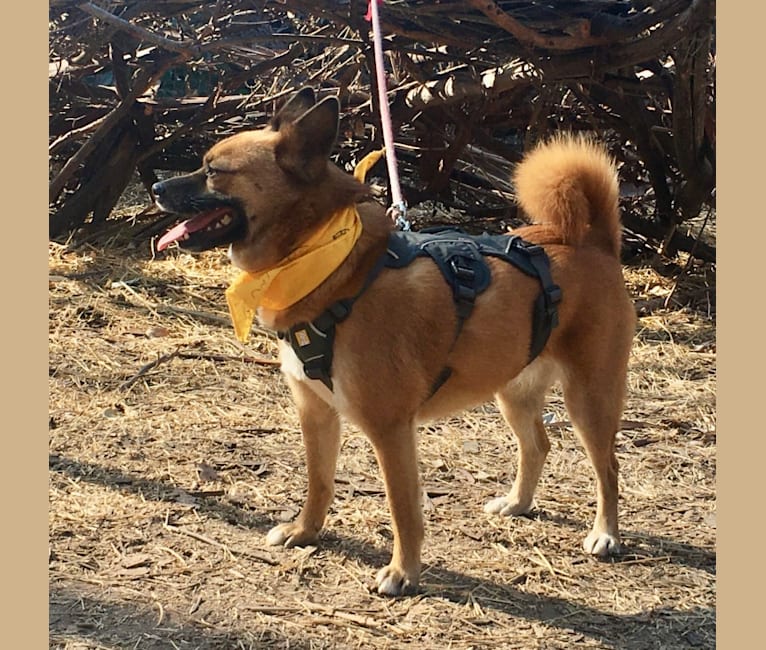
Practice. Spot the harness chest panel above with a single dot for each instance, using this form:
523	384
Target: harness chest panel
461	258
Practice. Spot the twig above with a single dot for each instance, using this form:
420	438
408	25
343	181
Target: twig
207	540
646	560
142	33
229	357
177	556
364	621
624	424
201	115
529	36
59	142
194	313
689	260
316	608
146	368
196	605
203	315
546	562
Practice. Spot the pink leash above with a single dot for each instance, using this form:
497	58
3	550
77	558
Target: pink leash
398	209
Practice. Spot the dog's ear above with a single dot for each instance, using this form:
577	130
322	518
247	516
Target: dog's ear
307	142
296	106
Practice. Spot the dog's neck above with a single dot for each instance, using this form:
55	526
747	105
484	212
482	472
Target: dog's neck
346	280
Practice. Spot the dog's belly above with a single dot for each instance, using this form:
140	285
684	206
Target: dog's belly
462	395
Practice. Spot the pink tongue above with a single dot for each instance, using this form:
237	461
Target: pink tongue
187	227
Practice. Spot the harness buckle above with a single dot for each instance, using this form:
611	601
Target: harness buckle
463	273
535	250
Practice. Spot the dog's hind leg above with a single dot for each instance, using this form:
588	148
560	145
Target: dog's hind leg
320	425
521	403
396	450
594	392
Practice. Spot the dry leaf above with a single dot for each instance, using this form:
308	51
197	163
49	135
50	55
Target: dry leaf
207	473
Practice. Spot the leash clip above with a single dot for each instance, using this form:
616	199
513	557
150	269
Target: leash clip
397	212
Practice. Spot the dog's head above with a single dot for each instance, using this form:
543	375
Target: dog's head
260	191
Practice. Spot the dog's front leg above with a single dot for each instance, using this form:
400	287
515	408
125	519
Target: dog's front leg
320	425
396	451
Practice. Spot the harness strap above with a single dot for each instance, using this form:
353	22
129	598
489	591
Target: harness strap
464	268
313	343
545	315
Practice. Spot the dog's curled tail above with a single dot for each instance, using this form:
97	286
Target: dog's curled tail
570	183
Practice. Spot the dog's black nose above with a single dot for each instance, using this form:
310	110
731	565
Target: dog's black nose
158	189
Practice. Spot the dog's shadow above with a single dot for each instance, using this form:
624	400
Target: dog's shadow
569	616
640	545
652	546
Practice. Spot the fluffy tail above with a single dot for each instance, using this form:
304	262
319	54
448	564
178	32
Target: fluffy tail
569	183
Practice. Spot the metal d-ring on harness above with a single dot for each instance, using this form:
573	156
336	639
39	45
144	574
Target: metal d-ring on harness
461	258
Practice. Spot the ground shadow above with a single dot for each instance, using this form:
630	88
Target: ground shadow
640	631
117	479
76	617
651	545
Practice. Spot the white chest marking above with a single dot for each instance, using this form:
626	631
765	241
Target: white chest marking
291	365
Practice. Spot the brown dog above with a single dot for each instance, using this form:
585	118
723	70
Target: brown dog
264	192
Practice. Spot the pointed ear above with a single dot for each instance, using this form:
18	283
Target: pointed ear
296	106
307	142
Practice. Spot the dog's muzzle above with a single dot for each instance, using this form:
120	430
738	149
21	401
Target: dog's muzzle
214	219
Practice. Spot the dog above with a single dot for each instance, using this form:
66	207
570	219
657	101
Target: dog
265	192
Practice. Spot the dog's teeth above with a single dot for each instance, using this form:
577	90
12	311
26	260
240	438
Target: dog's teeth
226	220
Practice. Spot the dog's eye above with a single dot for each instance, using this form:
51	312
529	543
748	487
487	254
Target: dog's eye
213	172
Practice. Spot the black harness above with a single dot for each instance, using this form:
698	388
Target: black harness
461	258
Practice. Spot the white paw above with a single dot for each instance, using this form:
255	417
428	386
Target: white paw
289	535
277	536
601	544
506	507
394	582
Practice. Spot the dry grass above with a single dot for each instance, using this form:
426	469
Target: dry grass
173	450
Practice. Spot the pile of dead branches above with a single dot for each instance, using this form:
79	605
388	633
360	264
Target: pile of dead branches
147	85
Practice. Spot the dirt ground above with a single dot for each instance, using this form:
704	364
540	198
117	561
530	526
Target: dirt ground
173	450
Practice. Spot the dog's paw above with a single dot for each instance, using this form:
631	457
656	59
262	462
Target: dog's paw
507	507
290	534
391	581
601	544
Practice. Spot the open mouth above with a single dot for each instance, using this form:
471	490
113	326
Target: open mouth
218	227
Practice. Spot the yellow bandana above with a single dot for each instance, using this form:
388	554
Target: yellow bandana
301	271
